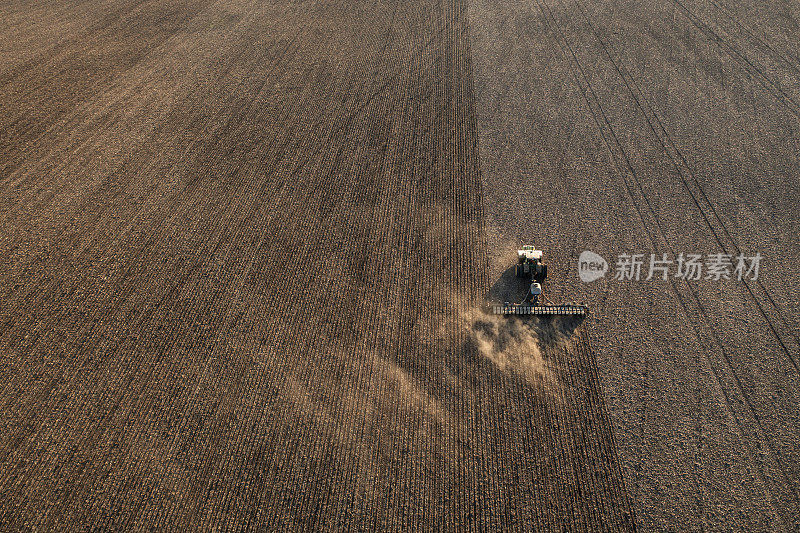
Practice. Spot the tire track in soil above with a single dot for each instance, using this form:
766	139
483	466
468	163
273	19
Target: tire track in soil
723	371
773	328
777	55
747	64
699	197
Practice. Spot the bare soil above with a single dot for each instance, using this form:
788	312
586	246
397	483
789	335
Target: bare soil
244	253
662	127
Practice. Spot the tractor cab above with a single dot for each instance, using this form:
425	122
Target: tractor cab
529	264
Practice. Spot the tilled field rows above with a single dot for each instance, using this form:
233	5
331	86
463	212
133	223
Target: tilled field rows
242	244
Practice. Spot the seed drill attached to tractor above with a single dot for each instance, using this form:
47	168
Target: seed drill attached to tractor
530	267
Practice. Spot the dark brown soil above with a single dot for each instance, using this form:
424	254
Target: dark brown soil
243	250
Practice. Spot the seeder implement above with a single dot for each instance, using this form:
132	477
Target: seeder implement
526	309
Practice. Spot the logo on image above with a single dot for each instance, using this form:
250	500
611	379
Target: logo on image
662	267
591	266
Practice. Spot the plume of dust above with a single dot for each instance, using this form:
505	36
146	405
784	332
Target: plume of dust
511	344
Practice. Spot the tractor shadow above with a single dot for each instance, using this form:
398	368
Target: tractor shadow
508	288
549	329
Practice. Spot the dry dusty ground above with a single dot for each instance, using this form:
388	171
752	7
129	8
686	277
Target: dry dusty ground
242	246
662	127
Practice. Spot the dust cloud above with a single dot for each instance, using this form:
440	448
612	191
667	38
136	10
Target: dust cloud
512	344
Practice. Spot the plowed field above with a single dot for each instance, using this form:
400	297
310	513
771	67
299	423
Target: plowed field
245	248
244	257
